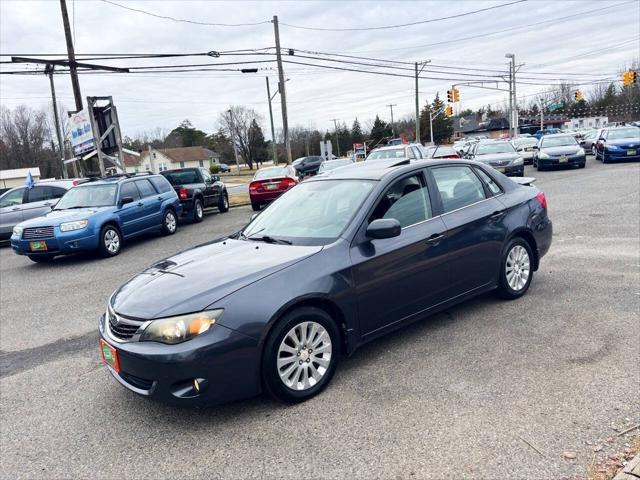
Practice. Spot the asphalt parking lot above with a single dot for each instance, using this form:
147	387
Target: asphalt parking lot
488	389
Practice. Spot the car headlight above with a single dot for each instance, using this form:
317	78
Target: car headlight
70	226
543	156
612	147
518	161
179	329
580	152
17	231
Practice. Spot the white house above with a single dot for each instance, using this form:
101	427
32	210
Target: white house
17	176
586	122
158	160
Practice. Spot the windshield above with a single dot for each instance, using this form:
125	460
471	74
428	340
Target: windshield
444	151
491	148
330	165
312	213
620	133
525	142
565	141
182	177
89	196
275	172
387	153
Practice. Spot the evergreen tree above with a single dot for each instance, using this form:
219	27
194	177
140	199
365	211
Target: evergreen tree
442	125
379	131
356	132
185	135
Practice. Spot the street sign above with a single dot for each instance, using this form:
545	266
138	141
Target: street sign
555	106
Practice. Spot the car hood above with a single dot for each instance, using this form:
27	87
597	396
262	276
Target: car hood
196	278
563	150
497	158
56	217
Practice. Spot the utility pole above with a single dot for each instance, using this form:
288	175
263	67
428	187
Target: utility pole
281	89
541	114
423	64
273	131
335	126
510	55
233	140
49	70
72	56
393	129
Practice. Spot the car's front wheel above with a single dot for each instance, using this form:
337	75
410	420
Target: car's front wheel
169	223
223	203
110	241
255	206
300	355
516	269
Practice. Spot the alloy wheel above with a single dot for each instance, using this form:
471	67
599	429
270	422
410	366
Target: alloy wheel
517	268
170	222
112	241
304	356
199	210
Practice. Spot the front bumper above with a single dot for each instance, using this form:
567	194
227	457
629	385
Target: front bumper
225	363
621	155
559	162
61	243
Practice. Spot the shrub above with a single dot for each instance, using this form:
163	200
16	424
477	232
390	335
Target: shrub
214	168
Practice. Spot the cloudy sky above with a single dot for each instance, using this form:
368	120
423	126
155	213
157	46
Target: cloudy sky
583	40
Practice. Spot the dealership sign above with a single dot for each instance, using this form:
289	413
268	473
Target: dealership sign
80	134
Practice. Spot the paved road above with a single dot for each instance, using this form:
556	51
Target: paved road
455	396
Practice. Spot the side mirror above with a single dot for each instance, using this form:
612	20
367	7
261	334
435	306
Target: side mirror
384	228
536	147
601	139
215	178
125	200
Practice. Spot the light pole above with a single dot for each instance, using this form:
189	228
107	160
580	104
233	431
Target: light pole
335	127
393	129
273	131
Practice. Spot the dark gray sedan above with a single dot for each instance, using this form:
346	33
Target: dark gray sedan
337	261
501	155
559	151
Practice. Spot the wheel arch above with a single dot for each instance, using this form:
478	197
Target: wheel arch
528	237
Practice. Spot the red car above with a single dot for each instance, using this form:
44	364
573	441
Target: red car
269	183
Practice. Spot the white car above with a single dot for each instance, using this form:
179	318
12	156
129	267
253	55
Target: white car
525	146
411	151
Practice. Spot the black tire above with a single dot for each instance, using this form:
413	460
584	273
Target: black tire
223	203
505	290
198	211
604	158
255	207
273	384
534	163
107	246
582	165
169	222
41	258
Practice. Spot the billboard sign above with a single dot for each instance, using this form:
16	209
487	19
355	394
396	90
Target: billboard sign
80	133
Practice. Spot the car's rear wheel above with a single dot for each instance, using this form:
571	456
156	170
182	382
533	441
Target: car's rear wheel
198	211
516	269
110	241
41	258
300	355
255	206
169	222
223	203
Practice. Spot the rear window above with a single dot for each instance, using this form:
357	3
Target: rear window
275	172
161	184
387	153
182	177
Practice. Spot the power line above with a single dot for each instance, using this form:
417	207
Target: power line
181	20
385	27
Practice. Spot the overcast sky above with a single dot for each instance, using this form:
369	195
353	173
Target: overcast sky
594	45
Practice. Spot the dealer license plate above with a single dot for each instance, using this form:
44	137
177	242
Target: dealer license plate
38	246
109	355
271	187
631	152
563	159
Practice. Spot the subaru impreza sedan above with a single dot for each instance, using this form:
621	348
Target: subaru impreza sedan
337	261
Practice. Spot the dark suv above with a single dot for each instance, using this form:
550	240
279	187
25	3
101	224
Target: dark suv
197	189
307	165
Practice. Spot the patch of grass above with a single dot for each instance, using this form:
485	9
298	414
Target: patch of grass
240	199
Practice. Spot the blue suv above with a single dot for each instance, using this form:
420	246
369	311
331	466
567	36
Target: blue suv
100	215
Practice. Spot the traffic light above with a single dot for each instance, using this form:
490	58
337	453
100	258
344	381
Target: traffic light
630	77
456	94
448	111
578	96
450	95
625	78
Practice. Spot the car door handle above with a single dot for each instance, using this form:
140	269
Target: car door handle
435	239
140	204
15	209
497	214
159	198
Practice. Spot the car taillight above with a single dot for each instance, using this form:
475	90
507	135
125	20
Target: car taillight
287	183
255	187
542	199
182	193
74	183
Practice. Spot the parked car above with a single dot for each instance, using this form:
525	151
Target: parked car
222	167
197	190
333	164
547	131
22	203
588	141
334	263
619	143
441	151
269	183
305	166
410	151
525	146
500	154
559	150
100	215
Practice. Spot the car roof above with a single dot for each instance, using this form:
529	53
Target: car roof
115	179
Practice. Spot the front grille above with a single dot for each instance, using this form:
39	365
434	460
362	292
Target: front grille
141	383
36	233
122	328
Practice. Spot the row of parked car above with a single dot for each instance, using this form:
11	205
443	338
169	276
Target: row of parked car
100	214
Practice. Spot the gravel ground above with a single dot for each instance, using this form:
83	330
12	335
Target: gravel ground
463	394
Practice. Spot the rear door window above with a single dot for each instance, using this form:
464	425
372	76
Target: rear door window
458	187
145	188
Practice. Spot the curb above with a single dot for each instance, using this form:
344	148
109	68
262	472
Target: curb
631	471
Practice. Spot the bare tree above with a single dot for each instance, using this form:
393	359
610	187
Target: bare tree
242	125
